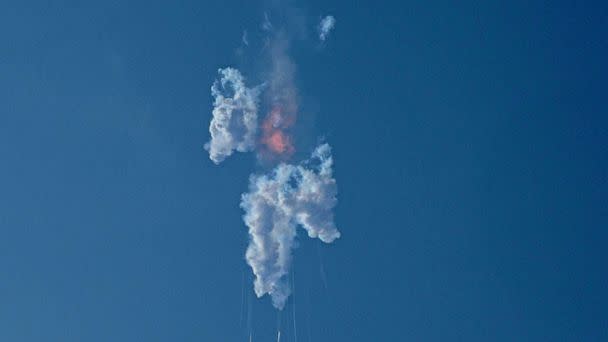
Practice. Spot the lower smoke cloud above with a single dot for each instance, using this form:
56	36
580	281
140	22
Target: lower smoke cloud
275	205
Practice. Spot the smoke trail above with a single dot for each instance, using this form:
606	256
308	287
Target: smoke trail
291	195
242	299
325	26
278	326
308	315
244	38
293	285
322	270
249	314
235	115
266	25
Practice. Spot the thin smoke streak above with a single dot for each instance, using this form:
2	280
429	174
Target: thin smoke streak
241	314
324	276
278	325
249	316
308	315
293	286
322	270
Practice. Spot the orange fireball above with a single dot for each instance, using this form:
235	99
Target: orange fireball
275	134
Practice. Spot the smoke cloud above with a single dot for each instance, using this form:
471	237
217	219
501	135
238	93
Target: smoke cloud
275	205
235	114
290	194
325	26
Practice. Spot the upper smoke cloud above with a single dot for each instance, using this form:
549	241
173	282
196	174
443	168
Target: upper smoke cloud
235	115
291	195
325	26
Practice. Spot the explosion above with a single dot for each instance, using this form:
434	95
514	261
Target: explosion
275	134
284	194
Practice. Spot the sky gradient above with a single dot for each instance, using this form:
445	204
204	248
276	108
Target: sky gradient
469	147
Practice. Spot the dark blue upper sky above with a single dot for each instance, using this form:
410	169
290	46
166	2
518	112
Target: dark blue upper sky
470	146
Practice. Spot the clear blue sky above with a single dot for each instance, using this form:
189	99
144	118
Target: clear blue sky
470	143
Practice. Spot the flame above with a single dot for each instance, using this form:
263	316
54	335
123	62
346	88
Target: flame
275	135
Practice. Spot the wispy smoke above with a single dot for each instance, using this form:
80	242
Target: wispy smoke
235	115
276	204
266	25
244	38
325	26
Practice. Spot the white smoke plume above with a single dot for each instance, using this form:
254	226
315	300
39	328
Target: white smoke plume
325	26
276	204
235	114
292	194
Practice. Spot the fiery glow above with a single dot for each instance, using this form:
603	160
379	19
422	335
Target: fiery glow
275	135
278	142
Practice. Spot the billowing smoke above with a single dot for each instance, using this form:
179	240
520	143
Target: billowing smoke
275	205
235	116
325	26
290	194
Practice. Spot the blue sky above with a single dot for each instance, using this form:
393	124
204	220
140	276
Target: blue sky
470	153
